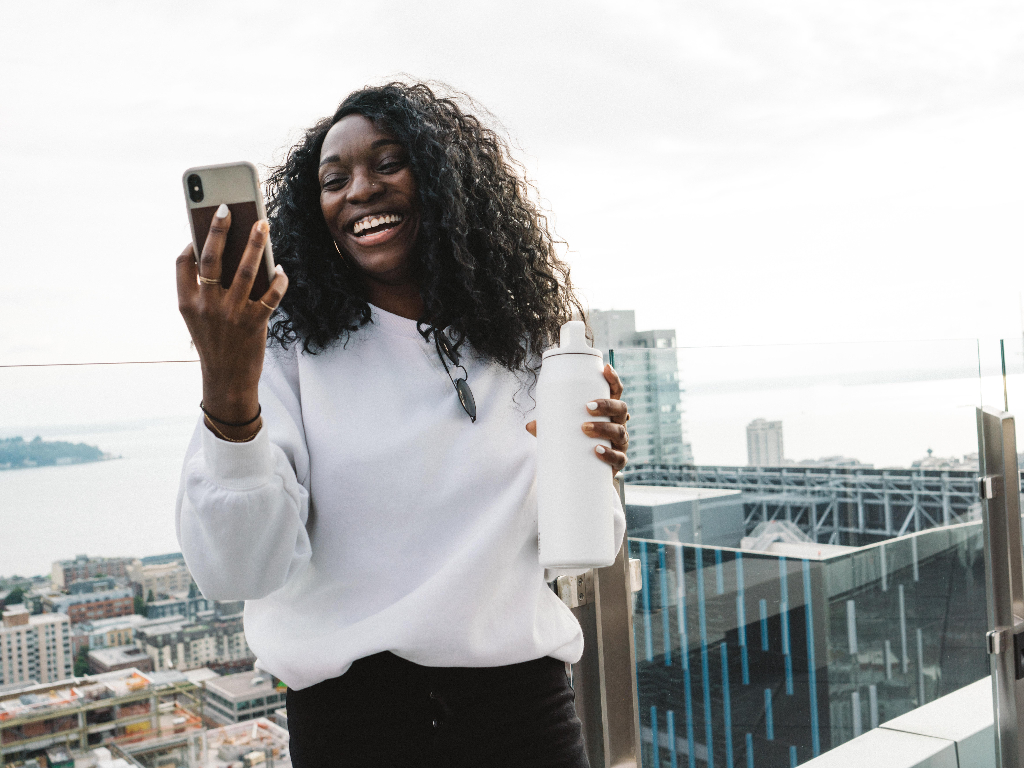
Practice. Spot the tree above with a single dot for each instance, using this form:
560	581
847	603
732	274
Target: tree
150	597
82	661
140	605
14	596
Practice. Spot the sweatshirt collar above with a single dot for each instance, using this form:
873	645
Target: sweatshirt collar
394	324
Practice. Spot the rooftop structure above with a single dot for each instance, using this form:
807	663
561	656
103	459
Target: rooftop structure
234	745
850	506
120	657
244	696
101	584
185	607
693	515
170	557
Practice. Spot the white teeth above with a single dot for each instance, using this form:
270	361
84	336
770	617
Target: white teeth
369	222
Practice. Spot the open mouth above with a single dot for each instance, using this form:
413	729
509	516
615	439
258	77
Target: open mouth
376	224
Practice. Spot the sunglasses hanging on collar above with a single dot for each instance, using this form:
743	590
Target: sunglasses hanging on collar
446	350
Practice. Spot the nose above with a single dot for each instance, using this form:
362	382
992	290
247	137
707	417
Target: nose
361	188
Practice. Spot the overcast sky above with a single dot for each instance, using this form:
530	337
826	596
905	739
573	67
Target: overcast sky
745	171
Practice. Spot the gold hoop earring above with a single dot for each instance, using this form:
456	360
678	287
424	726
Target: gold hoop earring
344	261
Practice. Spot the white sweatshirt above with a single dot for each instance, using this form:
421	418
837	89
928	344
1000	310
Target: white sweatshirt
370	514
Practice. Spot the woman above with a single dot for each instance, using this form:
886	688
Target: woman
378	518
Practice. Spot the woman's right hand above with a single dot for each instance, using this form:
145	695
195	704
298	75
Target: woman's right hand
228	329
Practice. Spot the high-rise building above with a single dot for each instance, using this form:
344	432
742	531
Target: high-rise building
764	444
34	647
648	364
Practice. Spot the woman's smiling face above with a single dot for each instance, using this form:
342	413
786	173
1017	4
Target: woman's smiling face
369	201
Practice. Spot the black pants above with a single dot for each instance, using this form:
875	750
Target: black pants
388	712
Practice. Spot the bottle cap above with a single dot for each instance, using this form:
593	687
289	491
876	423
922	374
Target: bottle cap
572	340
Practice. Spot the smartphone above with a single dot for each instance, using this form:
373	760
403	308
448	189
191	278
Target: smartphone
238	186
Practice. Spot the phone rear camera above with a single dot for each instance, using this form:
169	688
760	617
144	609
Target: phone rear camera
195	187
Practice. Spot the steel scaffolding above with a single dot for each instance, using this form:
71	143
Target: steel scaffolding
828	502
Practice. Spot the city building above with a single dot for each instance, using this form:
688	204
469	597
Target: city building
161	579
66	572
243	696
170	557
106	633
34	648
764	444
648	364
100	584
121	657
92	605
259	743
186	607
969	463
706	516
80	713
183	644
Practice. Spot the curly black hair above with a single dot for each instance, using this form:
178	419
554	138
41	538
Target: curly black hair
486	259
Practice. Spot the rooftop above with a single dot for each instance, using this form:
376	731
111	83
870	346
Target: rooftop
244	685
227	746
121	654
653	495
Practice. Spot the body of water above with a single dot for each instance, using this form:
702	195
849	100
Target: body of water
121	507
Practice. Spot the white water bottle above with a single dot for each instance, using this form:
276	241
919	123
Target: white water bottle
574	513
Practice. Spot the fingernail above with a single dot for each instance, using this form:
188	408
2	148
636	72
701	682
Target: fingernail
262	226
279	269
588	426
222	212
592	406
600	449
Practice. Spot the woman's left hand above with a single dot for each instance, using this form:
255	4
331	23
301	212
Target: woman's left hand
613	431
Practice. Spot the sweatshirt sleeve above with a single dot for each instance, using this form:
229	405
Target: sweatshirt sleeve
242	507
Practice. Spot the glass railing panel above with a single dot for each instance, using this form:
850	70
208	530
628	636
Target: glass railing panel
817	569
773	659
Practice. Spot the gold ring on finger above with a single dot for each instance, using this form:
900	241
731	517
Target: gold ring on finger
208	280
266	305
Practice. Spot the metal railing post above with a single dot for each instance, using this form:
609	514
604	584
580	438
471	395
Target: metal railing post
604	679
999	486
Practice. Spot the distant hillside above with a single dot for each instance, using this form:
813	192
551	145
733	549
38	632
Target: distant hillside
15	453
